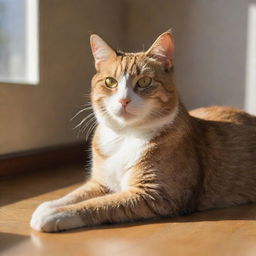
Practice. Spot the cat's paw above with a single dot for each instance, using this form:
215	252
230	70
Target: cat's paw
43	219
44	207
50	219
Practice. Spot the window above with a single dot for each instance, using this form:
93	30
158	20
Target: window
250	93
19	41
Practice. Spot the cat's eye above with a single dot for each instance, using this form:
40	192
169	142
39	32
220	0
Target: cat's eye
144	82
110	82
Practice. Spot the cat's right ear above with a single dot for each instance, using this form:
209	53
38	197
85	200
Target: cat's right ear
101	51
163	49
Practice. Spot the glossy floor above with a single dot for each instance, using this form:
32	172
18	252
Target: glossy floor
218	232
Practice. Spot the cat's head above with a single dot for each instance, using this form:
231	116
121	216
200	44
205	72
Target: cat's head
134	90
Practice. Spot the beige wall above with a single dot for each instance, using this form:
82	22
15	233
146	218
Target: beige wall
38	116
210	60
211	38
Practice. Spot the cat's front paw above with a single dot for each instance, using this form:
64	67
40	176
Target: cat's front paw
43	219
49	219
44	207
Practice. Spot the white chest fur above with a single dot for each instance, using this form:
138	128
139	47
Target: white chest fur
123	151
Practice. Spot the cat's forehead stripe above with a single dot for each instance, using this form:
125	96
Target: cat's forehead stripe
118	70
132	64
128	64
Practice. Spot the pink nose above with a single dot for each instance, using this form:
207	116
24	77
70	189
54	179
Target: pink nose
124	102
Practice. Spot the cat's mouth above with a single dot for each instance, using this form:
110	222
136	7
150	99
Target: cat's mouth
123	113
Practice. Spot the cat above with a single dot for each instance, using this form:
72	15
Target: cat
151	157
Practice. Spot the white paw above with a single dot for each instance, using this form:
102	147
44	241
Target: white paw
43	219
47	219
44	207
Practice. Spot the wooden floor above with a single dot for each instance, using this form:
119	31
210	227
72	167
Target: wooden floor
218	232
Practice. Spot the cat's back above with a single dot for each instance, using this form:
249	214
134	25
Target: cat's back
226	141
224	114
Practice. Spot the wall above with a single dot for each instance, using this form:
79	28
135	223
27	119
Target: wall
39	116
210	37
210	60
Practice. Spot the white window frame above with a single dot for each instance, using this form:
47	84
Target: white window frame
32	46
250	90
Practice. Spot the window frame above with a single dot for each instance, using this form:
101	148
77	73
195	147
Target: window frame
32	74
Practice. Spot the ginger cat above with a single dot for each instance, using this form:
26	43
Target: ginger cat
152	158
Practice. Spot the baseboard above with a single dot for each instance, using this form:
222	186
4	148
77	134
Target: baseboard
43	158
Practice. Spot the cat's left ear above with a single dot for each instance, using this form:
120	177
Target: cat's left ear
101	51
162	49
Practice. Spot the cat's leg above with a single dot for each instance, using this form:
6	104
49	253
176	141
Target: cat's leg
90	189
125	206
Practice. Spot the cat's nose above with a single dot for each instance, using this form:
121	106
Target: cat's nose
124	102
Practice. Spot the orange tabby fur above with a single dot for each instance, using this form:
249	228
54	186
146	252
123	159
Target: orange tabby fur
190	161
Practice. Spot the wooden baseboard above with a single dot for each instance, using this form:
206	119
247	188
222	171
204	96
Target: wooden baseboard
44	158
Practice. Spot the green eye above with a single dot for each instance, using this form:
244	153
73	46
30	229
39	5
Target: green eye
110	82
144	82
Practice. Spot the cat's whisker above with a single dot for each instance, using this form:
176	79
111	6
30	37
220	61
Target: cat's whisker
84	120
80	111
87	104
89	126
90	130
91	120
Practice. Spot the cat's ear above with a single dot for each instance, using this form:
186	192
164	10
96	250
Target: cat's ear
101	51
162	49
